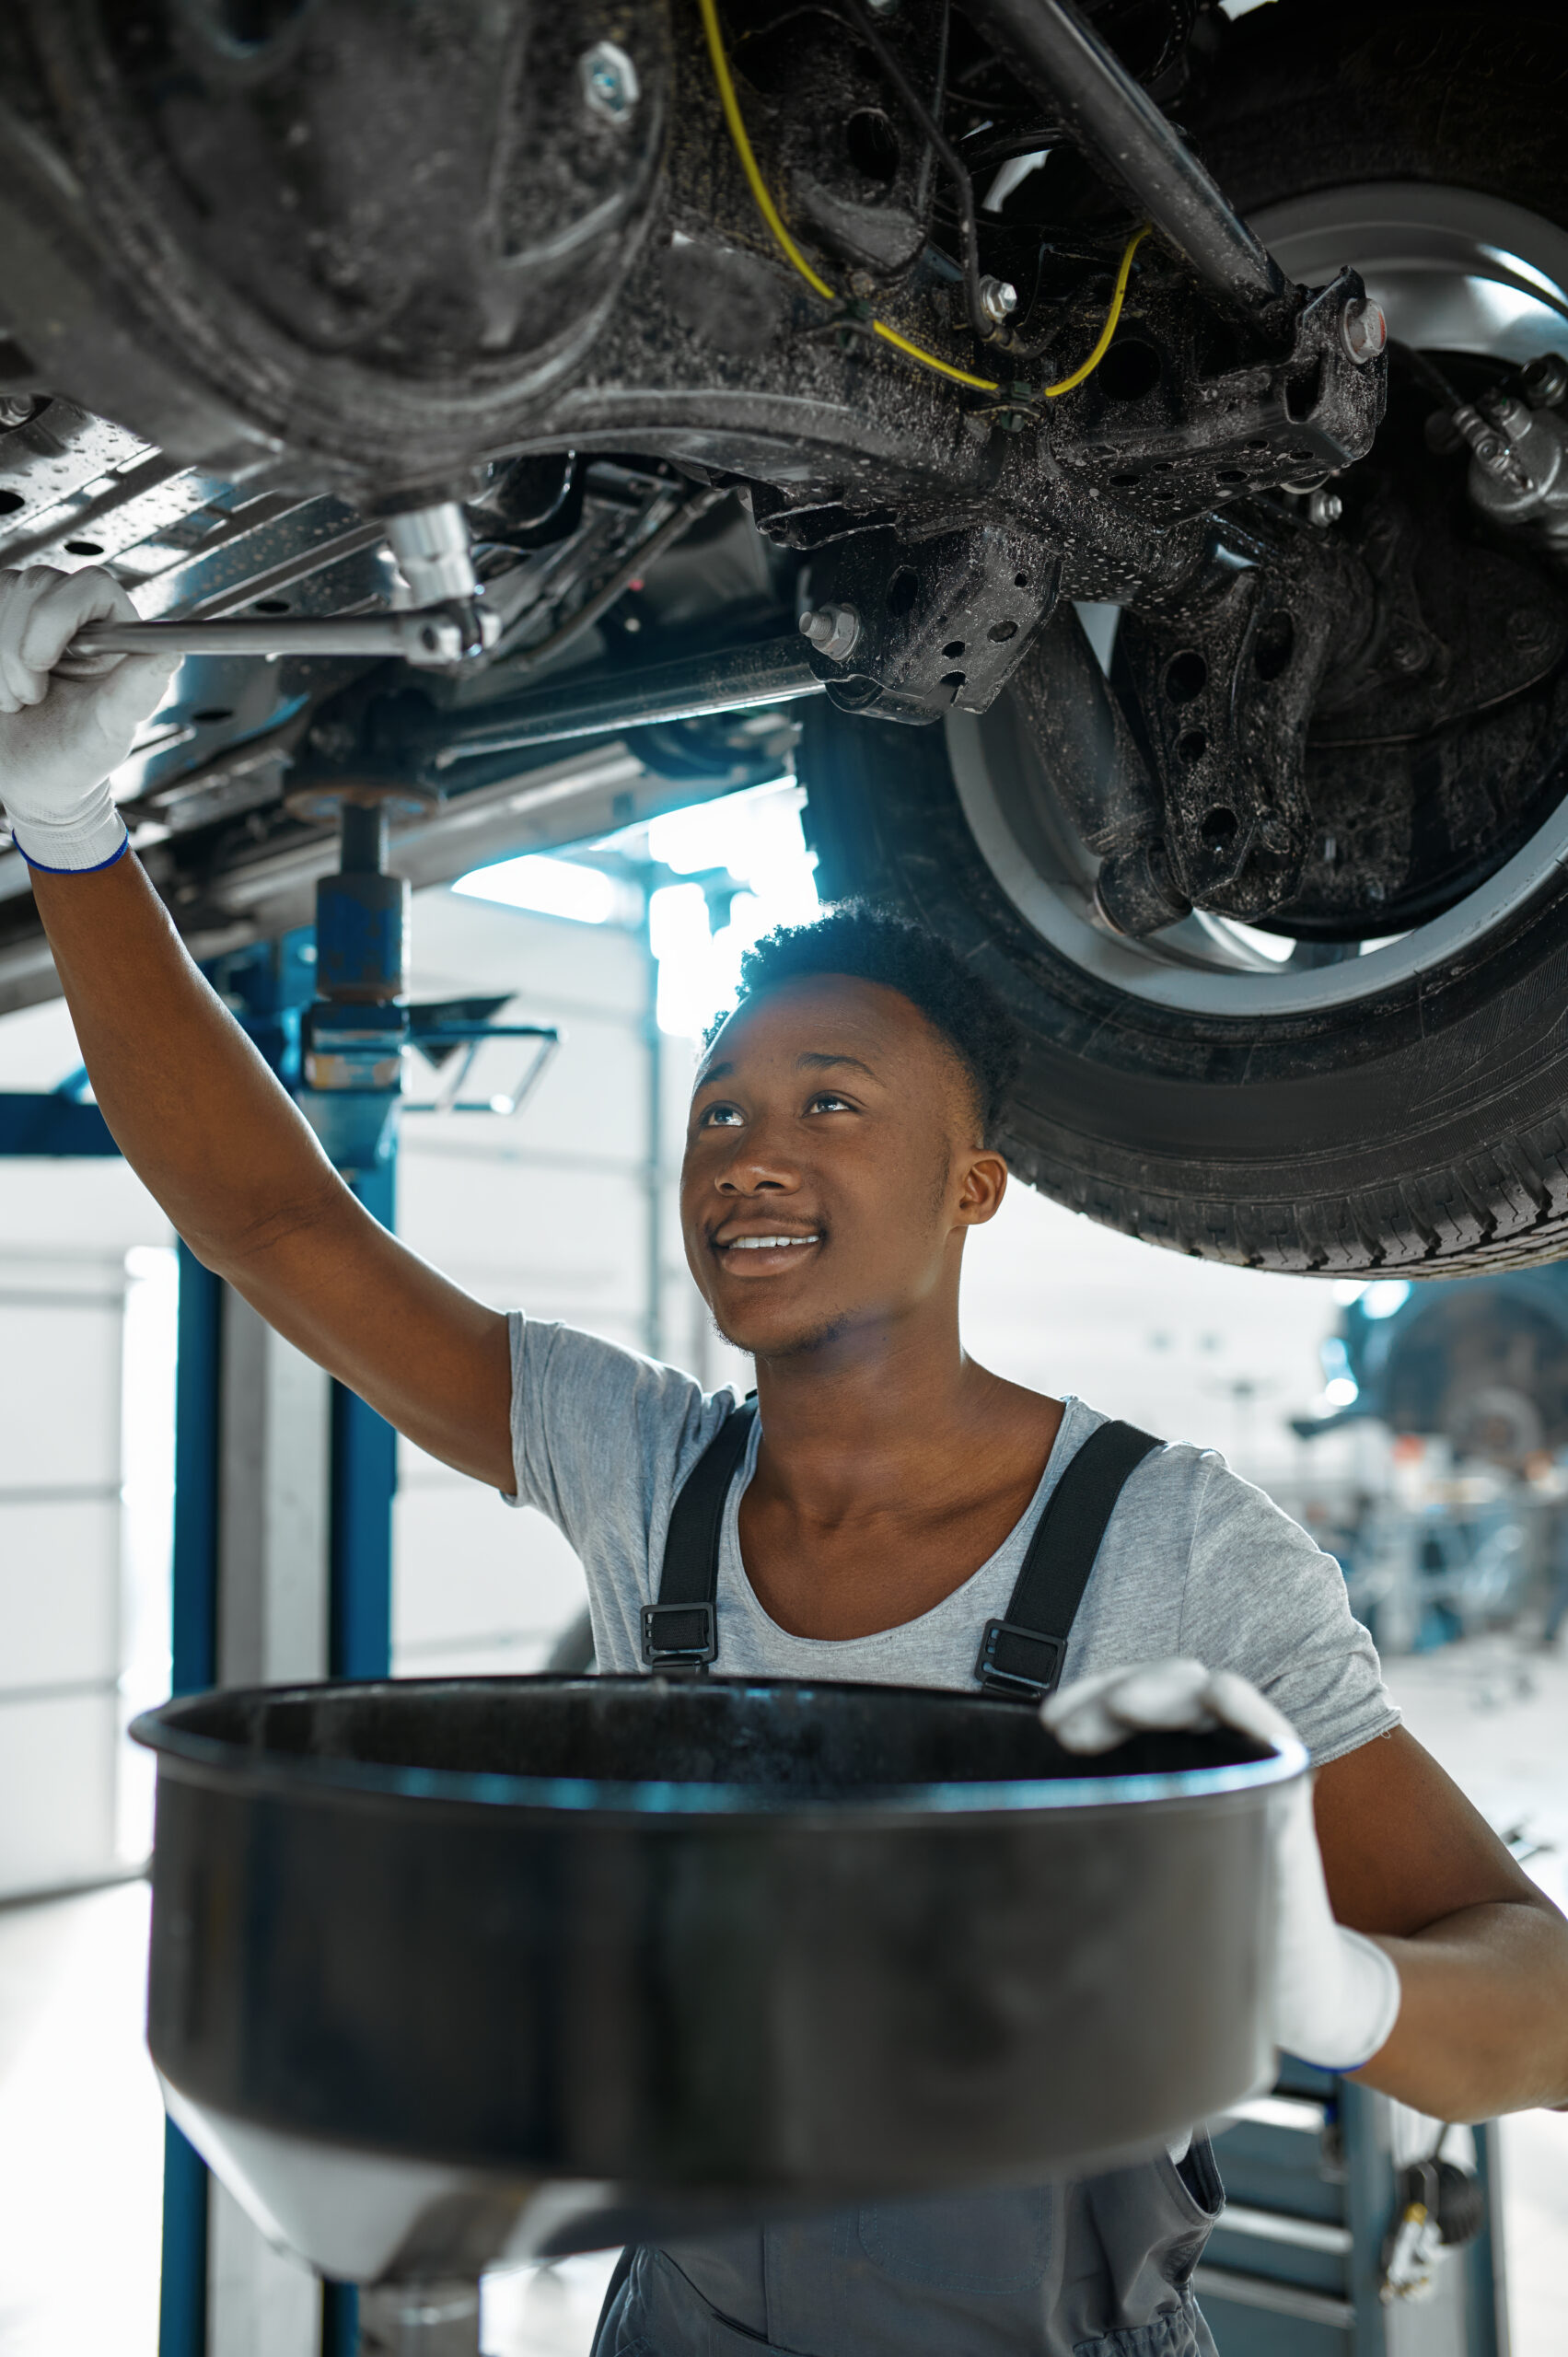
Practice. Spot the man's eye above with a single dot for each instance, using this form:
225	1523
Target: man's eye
720	1117
829	1102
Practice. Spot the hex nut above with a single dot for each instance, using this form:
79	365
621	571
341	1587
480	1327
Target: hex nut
609	83
998	299
1324	507
833	631
1362	331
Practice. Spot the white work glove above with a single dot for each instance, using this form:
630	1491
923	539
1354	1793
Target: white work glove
1335	1995
66	721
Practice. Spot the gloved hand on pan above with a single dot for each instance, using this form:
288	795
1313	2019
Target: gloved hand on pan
1336	1994
66	721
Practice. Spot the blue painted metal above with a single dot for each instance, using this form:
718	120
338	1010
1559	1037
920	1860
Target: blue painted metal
340	2320
195	1578
182	2310
1486	2279
1295	2296
267	988
182	2300
365	1471
354	1083
39	1122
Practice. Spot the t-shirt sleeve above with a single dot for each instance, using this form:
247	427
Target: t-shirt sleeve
1263	1599
601	1437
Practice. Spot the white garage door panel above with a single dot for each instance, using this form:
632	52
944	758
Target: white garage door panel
57	1776
58	1394
59	1591
573	1240
469	1568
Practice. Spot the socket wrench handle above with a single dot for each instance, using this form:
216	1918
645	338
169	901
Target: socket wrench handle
434	637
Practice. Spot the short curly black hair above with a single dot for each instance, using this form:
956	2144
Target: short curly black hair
855	938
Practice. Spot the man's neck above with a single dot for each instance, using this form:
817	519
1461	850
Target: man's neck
891	1416
892	1467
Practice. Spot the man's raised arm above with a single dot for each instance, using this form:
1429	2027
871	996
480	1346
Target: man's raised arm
193	1106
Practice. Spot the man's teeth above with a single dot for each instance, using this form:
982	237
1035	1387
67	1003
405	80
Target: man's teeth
766	1243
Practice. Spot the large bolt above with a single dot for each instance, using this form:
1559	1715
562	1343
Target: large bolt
998	300
1362	331
1324	507
832	630
609	81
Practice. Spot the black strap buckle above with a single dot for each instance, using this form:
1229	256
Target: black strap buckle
1020	1662
678	1636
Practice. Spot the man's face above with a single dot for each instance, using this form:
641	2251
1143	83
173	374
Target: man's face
833	1165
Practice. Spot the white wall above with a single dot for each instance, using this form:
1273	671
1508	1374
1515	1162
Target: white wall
1186	1349
68	1622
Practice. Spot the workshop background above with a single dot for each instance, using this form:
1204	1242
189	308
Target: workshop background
1439	1470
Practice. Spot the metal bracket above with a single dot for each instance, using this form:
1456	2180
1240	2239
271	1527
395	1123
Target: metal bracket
454	1042
941	623
1224	686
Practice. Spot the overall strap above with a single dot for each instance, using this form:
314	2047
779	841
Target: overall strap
1021	1657
681	1631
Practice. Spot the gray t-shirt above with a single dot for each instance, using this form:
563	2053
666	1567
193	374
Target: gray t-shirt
1195	1560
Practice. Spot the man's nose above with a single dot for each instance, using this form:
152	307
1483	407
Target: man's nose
760	1166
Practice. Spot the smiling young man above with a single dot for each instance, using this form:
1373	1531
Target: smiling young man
875	1519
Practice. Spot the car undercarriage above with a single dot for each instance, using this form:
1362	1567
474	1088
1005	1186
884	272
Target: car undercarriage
1118	454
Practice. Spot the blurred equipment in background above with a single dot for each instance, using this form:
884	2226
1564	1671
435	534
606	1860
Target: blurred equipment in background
1469	1528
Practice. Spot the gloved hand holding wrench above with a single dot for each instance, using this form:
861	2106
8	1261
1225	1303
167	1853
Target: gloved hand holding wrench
80	671
67	720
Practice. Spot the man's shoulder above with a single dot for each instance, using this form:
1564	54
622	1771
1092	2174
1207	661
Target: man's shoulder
599	1427
1185	1487
1169	1466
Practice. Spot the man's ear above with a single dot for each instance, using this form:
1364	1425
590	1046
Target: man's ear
984	1184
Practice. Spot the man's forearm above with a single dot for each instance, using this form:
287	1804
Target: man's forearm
1484	2017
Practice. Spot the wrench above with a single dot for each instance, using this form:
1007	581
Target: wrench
432	638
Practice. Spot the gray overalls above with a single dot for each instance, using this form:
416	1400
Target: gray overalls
1093	2266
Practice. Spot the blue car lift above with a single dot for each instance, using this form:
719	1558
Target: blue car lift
326	1007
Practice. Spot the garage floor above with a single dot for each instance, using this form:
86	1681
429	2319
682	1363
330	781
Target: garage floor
81	2127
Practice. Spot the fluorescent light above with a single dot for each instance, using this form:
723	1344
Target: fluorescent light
1382	1299
552	887
1342	1392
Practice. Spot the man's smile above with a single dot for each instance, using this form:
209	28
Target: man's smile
762	1251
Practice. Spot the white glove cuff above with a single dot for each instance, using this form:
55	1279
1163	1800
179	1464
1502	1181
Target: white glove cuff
93	836
1369	2004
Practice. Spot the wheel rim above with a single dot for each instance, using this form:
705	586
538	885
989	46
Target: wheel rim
1454	271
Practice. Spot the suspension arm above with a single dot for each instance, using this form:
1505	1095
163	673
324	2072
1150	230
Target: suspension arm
1072	71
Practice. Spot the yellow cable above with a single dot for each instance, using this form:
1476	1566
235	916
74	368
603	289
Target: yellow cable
1068	384
738	132
774	220
819	286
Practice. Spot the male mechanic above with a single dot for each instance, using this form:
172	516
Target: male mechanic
881	1506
